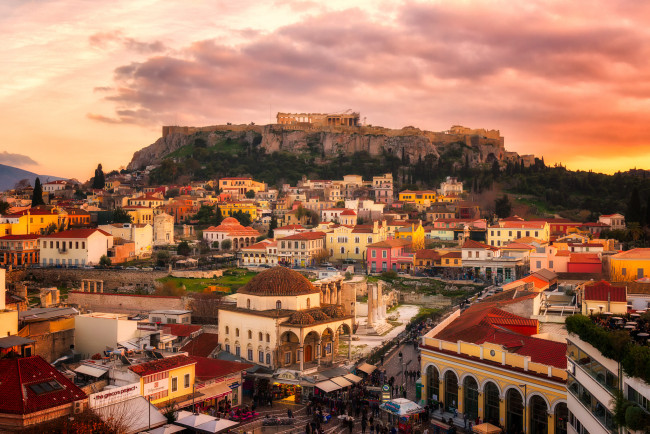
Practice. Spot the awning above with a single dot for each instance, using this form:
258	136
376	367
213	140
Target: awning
328	386
365	367
135	413
353	378
486	428
213	391
341	381
217	425
90	370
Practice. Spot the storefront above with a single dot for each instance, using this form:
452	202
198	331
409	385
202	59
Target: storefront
285	385
407	414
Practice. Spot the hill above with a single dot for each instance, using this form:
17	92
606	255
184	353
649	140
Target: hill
10	175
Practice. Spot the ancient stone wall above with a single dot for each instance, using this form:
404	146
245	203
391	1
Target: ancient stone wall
430	301
71	277
125	303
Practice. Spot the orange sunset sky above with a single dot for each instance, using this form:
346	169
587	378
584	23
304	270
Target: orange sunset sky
85	82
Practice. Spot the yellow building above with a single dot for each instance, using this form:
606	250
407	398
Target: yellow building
630	265
414	232
486	364
421	199
140	215
30	221
238	187
228	208
505	232
350	242
163	380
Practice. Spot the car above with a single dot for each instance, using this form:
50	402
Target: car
131	268
147	269
331	269
326	264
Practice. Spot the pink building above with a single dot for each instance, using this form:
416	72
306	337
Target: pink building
393	254
550	258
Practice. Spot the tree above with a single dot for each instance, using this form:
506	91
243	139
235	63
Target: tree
503	207
205	307
105	261
170	287
206	215
99	182
121	216
340	204
226	245
272	226
634	213
172	192
162	258
50	229
647	211
37	195
250	194
4	207
183	249
243	218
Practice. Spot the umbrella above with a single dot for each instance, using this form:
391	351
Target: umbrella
166	429
486	428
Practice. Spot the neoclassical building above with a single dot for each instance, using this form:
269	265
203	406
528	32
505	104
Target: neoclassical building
282	320
230	229
487	362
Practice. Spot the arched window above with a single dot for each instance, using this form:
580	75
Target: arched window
237	332
278	304
342	249
308	303
250	334
356	250
268	337
227	330
248	303
259	336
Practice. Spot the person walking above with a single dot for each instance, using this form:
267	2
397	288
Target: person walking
465	418
364	424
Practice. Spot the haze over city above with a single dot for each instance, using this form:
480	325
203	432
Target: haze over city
96	80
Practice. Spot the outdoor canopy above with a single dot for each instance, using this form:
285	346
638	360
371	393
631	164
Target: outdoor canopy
327	386
365	367
486	428
341	381
351	377
401	407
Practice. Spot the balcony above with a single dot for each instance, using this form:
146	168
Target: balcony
63	251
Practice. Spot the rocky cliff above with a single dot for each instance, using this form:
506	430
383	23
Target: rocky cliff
408	143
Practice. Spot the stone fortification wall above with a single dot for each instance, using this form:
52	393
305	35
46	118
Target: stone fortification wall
71	277
125	303
430	301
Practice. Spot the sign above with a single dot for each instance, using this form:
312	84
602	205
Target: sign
147	326
155	387
392	406
385	388
234	385
111	396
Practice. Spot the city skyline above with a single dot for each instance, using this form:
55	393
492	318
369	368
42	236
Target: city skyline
95	81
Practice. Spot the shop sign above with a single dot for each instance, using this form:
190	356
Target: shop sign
385	388
234	385
286	376
392	406
111	396
155	387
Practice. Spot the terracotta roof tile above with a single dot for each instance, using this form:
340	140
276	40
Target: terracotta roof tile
203	345
208	369
601	291
161	365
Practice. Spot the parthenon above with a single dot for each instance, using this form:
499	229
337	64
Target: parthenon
320	119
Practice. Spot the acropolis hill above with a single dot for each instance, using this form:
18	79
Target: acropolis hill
333	134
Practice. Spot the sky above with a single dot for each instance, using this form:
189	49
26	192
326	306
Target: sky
88	82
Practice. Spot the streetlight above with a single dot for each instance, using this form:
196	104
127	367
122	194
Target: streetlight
525	405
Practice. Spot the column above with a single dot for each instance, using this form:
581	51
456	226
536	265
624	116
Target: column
319	348
461	399
350	344
301	354
441	393
551	423
481	403
425	385
502	411
82	285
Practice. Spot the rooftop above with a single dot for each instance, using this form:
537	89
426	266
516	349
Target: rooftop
162	365
278	281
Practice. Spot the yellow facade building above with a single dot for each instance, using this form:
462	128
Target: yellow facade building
229	208
486	363
350	242
630	265
415	233
168	379
505	232
140	215
29	221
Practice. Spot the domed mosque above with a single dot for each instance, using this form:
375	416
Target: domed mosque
282	320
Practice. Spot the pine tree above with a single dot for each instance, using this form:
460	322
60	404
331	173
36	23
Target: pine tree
37	195
647	211
634	213
99	182
272	226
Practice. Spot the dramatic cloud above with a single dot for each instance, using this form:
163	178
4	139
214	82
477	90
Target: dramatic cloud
105	40
557	80
16	159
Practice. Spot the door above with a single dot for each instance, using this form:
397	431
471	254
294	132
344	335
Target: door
309	353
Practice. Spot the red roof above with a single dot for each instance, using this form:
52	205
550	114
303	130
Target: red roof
203	345
291	227
76	233
471	244
348	212
161	365
19	237
181	330
585	258
305	236
18	374
31	211
601	291
427	254
208	369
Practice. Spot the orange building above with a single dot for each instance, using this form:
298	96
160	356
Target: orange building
19	250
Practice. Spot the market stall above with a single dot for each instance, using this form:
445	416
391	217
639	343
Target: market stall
486	428
405	412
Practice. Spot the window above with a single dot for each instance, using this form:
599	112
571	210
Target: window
384	254
369	240
227	329
227	348
268	338
639	273
186	382
248	304
268	358
278	304
250	354
45	387
250	334
237	332
469	254
238	351
356	240
624	271
550	264
174	384
83	244
308	303
261	356
374	254
356	250
287	358
539	264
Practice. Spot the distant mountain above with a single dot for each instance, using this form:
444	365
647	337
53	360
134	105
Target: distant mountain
10	175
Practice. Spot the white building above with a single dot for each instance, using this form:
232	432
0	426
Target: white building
96	331
282	320
263	253
76	247
614	221
383	187
140	234
170	316
450	186
163	229
52	186
230	229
